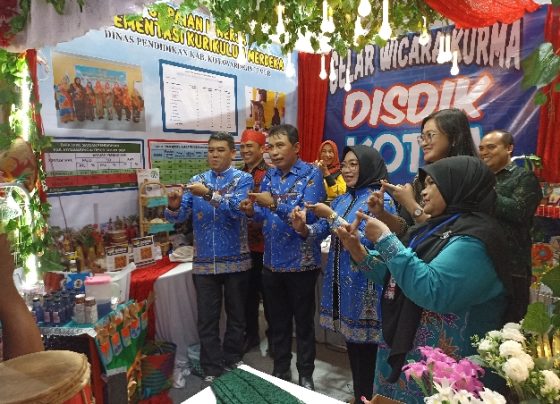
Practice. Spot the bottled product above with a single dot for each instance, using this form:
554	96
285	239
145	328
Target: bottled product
91	310
80	309
57	313
37	310
65	302
47	310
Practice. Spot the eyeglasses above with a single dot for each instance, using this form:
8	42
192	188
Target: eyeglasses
351	166
426	137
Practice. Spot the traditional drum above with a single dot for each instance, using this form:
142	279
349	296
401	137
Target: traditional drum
53	377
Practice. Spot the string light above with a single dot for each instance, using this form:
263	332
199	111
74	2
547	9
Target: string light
448	54
332	73
347	85
280	29
241	58
385	30
325	22
441	54
358	30
424	38
364	9
455	67
323	74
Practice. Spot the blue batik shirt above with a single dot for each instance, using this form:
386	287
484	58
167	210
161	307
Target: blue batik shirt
284	249
219	227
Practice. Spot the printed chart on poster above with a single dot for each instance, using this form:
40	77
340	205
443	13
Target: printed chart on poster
81	166
177	161
197	100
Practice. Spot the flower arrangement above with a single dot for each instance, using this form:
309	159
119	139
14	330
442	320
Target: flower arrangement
444	380
525	361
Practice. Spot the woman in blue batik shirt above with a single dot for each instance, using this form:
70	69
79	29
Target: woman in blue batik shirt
349	303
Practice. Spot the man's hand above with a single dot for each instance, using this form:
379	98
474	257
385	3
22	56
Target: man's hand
198	189
298	216
319	209
246	206
263	199
174	199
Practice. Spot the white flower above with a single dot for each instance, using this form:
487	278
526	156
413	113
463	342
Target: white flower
551	382
513	334
515	326
516	370
486	344
463	397
511	348
491	397
495	334
527	360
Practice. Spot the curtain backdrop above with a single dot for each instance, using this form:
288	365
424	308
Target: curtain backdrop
312	101
548	142
482	13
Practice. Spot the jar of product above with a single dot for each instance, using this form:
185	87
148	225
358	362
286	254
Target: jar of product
91	310
80	309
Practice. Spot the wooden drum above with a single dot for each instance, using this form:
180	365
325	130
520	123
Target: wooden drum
51	377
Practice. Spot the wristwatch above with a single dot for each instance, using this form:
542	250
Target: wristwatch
417	213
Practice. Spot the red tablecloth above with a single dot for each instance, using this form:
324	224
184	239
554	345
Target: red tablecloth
142	283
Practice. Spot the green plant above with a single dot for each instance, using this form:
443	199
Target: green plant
18	122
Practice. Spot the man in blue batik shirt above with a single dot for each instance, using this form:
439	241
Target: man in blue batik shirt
221	252
291	262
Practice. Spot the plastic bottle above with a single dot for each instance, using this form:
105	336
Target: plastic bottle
57	313
37	310
91	310
66	308
47	310
80	309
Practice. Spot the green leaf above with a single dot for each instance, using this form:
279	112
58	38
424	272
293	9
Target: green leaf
537	319
552	280
556	3
540	67
540	98
557	85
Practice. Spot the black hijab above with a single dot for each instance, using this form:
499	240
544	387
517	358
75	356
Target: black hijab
467	186
372	166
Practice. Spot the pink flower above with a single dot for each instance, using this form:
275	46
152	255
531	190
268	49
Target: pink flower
435	355
414	369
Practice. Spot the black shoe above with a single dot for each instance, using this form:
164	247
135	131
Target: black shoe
287	375
250	343
307	382
230	366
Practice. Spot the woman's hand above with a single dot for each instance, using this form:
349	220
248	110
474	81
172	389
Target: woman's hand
319	209
374	227
376	203
350	239
403	194
298	216
323	167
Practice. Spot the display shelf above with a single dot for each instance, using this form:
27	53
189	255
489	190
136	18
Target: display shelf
152	201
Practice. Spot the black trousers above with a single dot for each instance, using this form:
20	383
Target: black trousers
209	292
362	363
254	293
289	296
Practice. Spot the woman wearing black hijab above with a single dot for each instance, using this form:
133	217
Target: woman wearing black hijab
446	281
349	303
